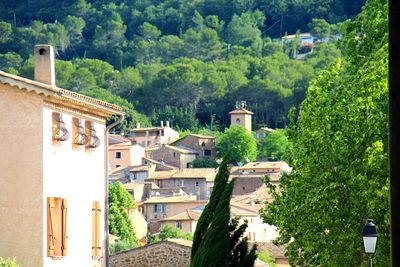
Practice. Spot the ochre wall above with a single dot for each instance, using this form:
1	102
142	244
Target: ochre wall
21	201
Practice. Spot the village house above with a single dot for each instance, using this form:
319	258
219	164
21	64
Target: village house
157	208
152	136
53	171
195	181
257	230
186	221
125	154
250	177
204	145
117	139
177	156
139	222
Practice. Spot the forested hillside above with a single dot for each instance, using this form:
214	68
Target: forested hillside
178	60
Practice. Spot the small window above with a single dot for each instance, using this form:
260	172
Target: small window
117	166
118	154
179	225
249	236
182	183
96	247
237	120
244	188
56	227
207	152
159	208
148	143
174	154
197	183
203	144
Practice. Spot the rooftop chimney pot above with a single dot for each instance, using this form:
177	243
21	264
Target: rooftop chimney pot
167	124
162	123
44	64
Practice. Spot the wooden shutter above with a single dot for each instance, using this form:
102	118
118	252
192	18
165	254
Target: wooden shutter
50	227
96	248
64	245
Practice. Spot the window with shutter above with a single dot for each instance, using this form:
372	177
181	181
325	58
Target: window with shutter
56	227
50	227
64	246
96	248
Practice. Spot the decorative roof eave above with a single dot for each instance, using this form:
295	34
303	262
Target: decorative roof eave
61	96
241	111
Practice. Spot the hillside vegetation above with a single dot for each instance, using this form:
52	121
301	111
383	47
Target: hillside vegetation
183	61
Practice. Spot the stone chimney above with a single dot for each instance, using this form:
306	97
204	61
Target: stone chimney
167	124
44	64
138	125
162	123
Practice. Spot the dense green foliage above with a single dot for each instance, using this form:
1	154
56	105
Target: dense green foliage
274	146
236	144
168	231
204	163
218	239
120	224
120	245
8	263
182	61
340	158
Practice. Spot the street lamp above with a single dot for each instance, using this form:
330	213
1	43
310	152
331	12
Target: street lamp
370	237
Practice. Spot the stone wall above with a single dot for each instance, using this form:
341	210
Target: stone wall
162	254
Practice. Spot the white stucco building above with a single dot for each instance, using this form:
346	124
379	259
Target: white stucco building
52	170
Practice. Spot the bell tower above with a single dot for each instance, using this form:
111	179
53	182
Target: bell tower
241	116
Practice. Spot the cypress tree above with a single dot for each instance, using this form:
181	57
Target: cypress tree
217	241
208	213
214	249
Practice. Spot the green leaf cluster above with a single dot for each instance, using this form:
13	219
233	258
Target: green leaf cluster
119	222
339	158
275	146
8	262
168	231
236	144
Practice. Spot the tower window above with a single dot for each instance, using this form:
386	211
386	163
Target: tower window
237	120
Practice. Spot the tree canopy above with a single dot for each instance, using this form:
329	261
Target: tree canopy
119	222
236	144
184	59
340	158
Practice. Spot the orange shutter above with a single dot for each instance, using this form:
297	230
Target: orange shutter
64	245
50	226
96	248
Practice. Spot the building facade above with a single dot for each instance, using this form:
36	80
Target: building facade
53	174
204	145
152	136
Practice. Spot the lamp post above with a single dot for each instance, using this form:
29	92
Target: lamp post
370	237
